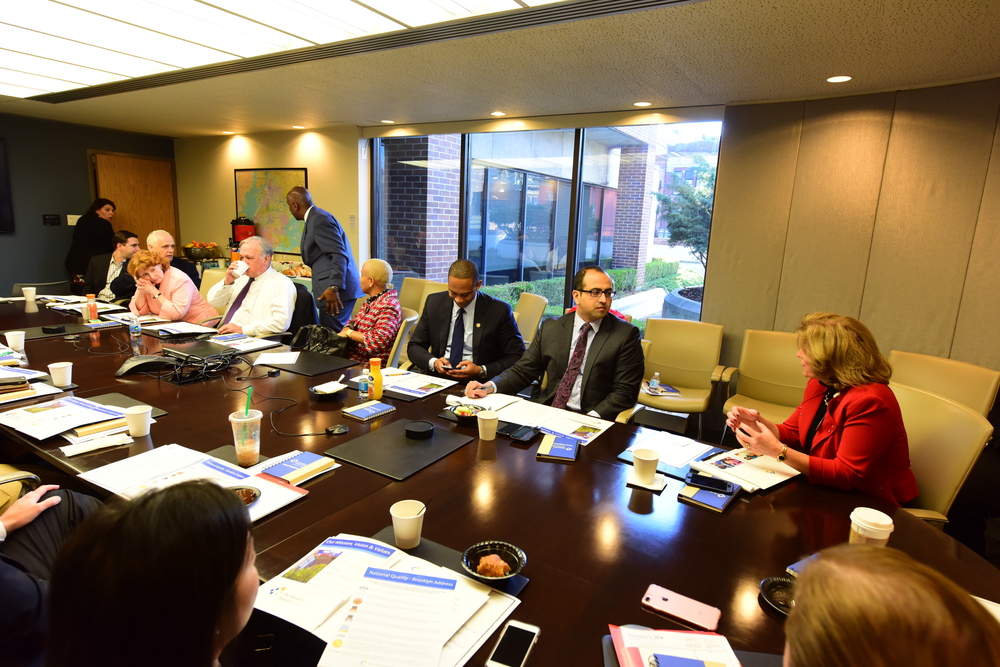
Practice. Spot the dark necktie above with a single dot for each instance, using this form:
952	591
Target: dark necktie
458	339
573	370
239	302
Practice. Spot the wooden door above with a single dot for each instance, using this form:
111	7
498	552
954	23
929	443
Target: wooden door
143	190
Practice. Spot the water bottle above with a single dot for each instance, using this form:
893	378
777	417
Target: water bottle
135	335
363	383
654	382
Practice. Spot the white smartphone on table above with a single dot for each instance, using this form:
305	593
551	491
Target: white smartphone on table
515	643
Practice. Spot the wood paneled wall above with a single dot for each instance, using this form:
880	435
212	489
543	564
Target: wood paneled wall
884	207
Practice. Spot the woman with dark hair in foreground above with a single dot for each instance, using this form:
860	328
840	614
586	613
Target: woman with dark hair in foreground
165	579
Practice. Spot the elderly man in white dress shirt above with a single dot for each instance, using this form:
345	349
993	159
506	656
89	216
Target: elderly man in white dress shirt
258	303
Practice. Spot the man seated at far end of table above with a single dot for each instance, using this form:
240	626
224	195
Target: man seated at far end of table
107	275
592	359
259	302
162	242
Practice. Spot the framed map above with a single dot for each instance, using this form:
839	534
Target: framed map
260	196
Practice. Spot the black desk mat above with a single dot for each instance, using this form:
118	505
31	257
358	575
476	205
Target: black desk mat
31	333
122	401
447	557
314	363
389	452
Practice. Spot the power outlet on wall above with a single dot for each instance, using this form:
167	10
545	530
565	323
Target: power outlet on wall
354	221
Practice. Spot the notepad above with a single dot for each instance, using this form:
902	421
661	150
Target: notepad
300	467
711	500
368	410
558	448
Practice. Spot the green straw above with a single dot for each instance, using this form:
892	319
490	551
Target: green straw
246	412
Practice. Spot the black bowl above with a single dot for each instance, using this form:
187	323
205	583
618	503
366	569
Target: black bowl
466	420
507	551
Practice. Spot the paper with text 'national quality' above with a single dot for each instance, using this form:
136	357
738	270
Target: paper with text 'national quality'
45	420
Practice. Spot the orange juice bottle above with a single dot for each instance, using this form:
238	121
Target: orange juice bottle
375	382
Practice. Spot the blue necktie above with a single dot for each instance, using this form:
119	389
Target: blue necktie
458	339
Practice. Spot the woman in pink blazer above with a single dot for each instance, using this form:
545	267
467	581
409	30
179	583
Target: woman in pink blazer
164	291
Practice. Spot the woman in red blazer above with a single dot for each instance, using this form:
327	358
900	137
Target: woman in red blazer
848	432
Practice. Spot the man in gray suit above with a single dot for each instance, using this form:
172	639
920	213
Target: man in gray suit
327	251
593	360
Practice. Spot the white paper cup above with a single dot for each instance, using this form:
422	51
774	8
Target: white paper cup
870	527
487	425
62	373
246	436
138	418
29	293
407	522
240	268
15	340
644	461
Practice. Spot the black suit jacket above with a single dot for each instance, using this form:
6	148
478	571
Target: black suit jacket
496	342
612	374
187	267
97	275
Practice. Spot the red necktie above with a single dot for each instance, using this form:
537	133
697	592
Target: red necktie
573	370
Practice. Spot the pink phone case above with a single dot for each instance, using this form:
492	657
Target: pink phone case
663	601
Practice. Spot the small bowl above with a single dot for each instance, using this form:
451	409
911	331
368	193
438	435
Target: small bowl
779	592
507	551
466	420
248	494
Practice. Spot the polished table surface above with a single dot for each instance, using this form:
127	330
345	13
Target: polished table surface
593	543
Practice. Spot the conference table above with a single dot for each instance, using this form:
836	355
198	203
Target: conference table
593	543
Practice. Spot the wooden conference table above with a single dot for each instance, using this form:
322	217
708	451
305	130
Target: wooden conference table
593	543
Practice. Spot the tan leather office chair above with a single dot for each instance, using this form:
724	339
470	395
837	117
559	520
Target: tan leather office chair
430	287
945	440
409	320
410	293
529	312
968	384
209	278
769	378
15	483
43	289
686	355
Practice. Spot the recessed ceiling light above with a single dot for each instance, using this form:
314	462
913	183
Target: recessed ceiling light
838	79
298	127
643	104
387	122
497	113
227	132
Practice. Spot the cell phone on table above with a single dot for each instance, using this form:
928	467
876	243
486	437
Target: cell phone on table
518	432
662	601
515	643
710	483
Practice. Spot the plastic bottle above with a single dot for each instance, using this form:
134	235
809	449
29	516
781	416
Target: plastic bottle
375	384
363	383
135	335
654	382
92	306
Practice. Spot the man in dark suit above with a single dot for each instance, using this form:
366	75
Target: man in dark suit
463	334
326	250
162	242
593	360
31	532
107	275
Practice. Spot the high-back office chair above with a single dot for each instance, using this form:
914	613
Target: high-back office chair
686	355
945	440
409	320
15	483
769	378
427	287
410	293
430	287
968	384
58	287
209	277
303	312
529	312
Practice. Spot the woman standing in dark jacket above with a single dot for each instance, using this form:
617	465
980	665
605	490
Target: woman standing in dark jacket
91	236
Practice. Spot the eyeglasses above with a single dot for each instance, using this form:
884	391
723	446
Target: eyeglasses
596	293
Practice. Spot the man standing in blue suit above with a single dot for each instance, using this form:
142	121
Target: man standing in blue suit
327	251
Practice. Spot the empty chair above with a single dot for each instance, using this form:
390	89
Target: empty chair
945	440
405	326
529	312
58	287
769	378
968	384
686	355
209	277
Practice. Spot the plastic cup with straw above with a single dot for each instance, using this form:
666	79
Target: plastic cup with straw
246	433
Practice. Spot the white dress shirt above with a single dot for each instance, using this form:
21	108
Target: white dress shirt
470	317
267	308
573	403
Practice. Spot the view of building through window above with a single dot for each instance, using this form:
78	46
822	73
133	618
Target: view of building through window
644	214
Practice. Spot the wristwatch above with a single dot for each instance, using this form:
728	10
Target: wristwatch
784	450
482	371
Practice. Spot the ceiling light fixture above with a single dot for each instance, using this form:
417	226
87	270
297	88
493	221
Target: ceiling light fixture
227	132
387	122
643	104
838	79
298	127
497	113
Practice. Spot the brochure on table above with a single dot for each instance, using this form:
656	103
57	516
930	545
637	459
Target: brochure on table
17	372
45	420
244	343
410	383
126	318
178	328
173	464
636	646
516	410
349	590
675	450
751	471
75	308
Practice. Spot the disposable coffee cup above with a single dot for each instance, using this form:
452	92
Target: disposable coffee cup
29	293
246	436
240	268
61	373
138	418
15	340
870	526
488	425
407	522
644	461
